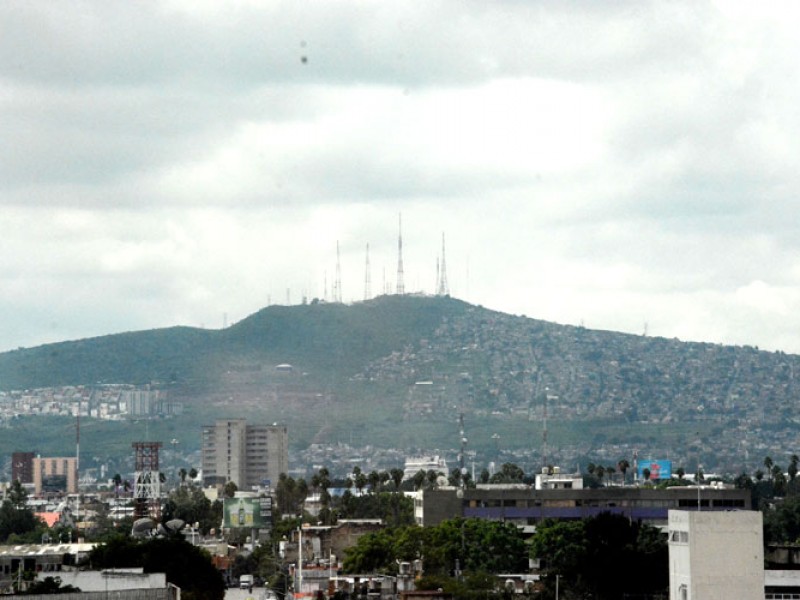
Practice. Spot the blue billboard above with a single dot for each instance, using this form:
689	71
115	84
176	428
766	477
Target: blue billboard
657	469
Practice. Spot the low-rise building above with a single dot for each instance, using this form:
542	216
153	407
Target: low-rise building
525	505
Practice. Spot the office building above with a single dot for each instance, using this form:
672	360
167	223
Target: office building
248	455
55	475
525	505
716	554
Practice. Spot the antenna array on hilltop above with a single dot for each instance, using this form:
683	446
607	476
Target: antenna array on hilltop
442	287
337	284
401	287
367	279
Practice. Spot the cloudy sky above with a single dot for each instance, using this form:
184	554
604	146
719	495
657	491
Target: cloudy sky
625	165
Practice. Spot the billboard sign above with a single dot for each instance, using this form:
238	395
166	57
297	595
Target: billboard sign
659	469
244	513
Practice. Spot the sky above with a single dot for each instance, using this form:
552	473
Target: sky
627	166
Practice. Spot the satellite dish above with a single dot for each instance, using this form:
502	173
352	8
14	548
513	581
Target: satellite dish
142	527
175	524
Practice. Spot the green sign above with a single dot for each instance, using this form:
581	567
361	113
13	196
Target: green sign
243	512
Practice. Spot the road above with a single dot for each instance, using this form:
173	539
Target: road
237	594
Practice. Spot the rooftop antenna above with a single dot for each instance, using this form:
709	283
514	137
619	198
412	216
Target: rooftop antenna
367	279
444	288
462	469
401	287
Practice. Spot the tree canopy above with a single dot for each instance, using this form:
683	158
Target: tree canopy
477	545
185	565
586	554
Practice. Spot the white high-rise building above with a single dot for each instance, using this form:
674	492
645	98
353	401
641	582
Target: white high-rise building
248	455
716	555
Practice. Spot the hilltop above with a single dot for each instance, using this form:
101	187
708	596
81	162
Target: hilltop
394	372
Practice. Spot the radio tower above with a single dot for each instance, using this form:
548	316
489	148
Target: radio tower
462	468
444	288
367	279
147	484
401	287
337	284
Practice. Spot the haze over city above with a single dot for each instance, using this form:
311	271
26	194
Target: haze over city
628	166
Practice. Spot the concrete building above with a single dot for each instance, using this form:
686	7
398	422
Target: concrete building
715	555
22	467
524	505
247	455
55	475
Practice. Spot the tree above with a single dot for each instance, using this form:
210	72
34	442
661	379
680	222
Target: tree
397	478
768	465
49	585
230	489
374	479
792	470
15	516
623	466
191	505
185	565
585	552
508	473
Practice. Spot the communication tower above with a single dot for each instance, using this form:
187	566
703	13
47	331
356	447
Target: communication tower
367	279
443	288
401	287
337	285
147	482
462	469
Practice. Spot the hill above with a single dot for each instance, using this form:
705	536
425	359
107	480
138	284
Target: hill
394	372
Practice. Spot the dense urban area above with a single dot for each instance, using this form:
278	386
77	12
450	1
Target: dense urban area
546	456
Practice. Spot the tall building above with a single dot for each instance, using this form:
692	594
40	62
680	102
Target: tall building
22	467
247	455
716	555
55	475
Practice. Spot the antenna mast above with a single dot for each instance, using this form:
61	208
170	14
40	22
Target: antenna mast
367	279
462	469
444	288
544	430
337	285
401	287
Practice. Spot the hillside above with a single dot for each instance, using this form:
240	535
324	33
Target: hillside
394	372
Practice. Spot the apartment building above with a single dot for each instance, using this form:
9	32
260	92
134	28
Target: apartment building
55	475
248	455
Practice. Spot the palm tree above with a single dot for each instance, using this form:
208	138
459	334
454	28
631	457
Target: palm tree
623	466
600	471
182	473
374	479
610	472
397	477
792	470
768	465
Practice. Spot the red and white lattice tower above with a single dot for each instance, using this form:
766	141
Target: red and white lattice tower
147	482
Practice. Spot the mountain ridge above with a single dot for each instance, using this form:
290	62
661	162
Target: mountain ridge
401	367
